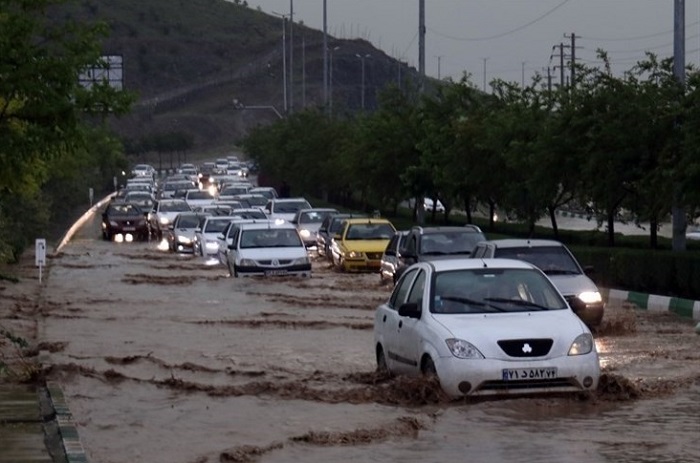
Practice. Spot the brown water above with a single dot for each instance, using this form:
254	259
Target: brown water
165	359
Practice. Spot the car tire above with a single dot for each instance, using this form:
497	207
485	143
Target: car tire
428	367
382	366
235	271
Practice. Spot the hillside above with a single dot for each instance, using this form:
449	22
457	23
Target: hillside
188	60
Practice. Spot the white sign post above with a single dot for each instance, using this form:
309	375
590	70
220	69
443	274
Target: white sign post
40	254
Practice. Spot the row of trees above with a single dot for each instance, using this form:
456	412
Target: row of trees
53	140
606	143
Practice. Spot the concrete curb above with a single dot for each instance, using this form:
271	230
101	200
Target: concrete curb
66	426
81	221
683	307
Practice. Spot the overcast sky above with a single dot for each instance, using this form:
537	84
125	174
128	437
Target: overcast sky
506	37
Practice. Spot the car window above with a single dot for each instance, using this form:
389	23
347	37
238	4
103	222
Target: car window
215	226
270	238
287	207
399	295
416	294
369	231
494	291
552	260
188	221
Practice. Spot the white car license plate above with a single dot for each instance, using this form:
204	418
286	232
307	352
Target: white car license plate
511	374
129	229
275	272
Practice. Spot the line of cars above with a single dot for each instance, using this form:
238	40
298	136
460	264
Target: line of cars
482	324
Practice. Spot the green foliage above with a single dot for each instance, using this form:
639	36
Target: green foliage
44	112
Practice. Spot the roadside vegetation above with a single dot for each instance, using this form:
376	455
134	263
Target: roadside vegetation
55	145
613	148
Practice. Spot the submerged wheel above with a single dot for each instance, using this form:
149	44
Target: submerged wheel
428	367
382	367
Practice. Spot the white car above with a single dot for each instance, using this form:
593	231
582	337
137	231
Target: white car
308	221
285	208
267	249
559	264
164	213
225	238
205	235
143	170
198	198
485	327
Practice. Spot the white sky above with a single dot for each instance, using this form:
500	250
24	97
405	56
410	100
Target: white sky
503	36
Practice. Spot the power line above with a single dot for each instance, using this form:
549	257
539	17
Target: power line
503	34
640	37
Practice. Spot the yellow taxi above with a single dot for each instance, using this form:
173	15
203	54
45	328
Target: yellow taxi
360	244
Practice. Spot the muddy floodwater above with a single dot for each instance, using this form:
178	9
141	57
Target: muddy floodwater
163	358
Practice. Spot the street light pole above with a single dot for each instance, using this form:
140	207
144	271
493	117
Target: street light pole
362	96
330	81
284	58
485	60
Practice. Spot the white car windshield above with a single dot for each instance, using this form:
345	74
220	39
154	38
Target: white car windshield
494	290
552	260
289	207
270	238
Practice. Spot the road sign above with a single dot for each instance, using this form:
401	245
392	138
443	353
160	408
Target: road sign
40	252
40	255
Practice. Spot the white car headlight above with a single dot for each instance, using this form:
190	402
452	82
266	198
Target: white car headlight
590	297
163	220
355	255
301	261
183	239
212	245
583	344
462	349
305	233
113	223
248	263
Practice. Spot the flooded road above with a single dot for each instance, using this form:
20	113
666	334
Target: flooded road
163	358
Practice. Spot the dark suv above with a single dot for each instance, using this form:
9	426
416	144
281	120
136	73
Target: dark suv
329	227
432	243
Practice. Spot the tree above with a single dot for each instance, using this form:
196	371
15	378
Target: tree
43	107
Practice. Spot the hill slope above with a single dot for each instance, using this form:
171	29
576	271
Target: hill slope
188	60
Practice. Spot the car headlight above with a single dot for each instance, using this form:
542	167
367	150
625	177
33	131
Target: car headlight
301	261
583	344
463	349
248	263
355	255
163	220
590	297
212	245
113	223
183	239
305	233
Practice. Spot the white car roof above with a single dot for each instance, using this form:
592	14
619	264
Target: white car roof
467	263
523	243
262	224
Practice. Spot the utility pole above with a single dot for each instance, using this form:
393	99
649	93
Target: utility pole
303	72
325	57
291	55
678	219
561	65
522	74
573	57
421	43
439	57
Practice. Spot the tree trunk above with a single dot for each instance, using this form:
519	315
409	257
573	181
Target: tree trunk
611	229
492	211
553	220
654	232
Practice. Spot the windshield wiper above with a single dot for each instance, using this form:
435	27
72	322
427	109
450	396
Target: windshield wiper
466	300
517	302
560	272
